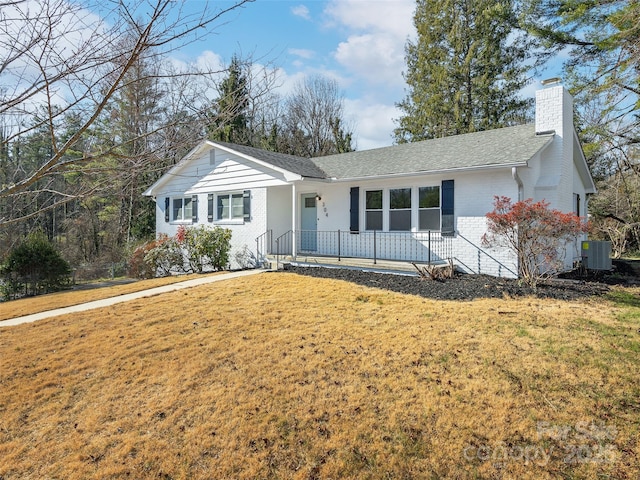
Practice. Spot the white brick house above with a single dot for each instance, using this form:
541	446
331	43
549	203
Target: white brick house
423	201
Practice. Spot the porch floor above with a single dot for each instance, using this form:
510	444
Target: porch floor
388	266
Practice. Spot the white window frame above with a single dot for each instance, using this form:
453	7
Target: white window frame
182	218
368	210
438	208
414	209
391	210
231	217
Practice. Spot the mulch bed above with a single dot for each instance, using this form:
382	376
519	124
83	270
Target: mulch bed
461	287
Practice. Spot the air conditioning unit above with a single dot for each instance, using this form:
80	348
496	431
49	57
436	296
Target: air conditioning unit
596	255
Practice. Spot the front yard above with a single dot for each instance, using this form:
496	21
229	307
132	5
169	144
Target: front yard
286	376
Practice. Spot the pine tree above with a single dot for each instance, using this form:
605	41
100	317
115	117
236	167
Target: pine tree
602	71
464	71
230	122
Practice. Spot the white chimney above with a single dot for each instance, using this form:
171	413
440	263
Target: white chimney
554	108
554	115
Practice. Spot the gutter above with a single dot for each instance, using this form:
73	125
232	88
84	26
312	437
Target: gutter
429	172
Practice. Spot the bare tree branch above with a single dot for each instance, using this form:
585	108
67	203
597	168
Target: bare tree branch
68	60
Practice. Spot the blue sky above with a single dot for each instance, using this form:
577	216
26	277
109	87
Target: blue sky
359	43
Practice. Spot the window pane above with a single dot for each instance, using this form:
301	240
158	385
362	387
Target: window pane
400	220
187	209
430	219
429	197
177	209
309	202
223	207
373	220
374	200
237	206
399	198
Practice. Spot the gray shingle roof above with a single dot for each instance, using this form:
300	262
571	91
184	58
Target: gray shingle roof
300	165
499	147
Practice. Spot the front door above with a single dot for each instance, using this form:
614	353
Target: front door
309	223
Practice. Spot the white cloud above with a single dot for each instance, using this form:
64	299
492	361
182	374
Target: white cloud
377	58
373	122
301	11
392	16
378	32
302	53
210	61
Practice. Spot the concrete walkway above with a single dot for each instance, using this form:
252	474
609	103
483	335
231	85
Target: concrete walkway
106	302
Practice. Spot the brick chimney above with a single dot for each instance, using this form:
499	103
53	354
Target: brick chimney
554	108
554	115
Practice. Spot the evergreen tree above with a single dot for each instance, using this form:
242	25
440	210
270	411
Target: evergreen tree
602	72
464	71
130	132
230	113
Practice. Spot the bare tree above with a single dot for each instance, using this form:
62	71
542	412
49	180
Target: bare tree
313	119
63	58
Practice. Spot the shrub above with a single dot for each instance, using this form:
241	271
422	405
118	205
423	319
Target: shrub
205	248
34	267
538	235
156	258
190	250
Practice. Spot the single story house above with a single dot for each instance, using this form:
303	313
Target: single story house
424	201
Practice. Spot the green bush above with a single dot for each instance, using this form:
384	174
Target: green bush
192	250
205	248
34	267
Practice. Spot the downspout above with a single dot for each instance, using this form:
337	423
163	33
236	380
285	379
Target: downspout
294	209
518	180
516	177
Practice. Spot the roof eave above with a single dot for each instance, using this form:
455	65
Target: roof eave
163	179
433	172
288	174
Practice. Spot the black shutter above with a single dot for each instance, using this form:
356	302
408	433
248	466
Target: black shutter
210	207
194	208
354	223
448	223
167	202
246	203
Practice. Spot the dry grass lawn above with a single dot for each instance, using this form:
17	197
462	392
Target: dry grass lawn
42	303
284	376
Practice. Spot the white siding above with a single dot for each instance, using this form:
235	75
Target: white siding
279	205
230	173
473	195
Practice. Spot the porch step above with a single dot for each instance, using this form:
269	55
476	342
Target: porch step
358	263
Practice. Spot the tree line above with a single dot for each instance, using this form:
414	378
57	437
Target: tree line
93	112
76	169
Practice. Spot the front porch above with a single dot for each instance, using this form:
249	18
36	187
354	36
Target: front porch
376	250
